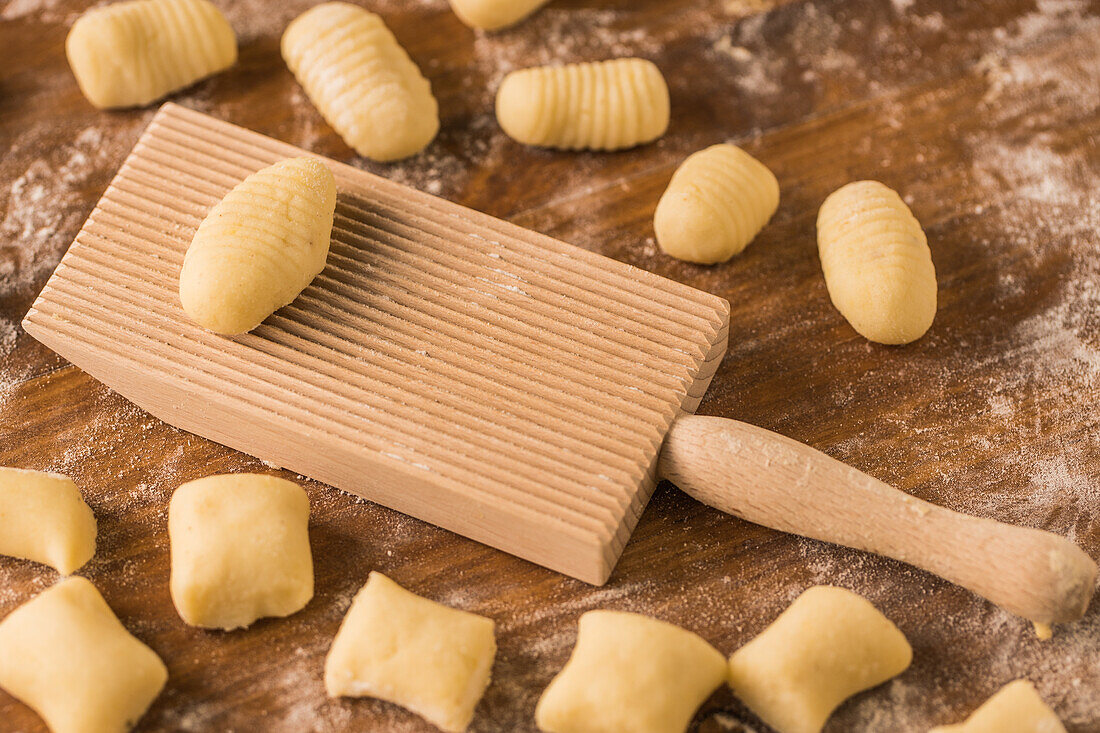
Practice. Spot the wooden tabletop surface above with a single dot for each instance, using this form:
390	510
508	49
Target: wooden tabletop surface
983	115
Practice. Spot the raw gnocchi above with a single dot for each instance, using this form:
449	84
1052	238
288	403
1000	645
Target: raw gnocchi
239	550
827	646
490	15
630	673
65	654
43	518
877	264
717	201
361	80
132	53
260	246
605	105
394	645
1016	708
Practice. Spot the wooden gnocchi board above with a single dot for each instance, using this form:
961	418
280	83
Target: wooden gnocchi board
452	366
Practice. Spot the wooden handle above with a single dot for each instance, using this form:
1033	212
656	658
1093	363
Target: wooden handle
771	480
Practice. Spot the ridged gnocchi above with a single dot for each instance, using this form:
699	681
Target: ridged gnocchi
132	53
361	80
490	15
260	246
876	262
717	201
606	105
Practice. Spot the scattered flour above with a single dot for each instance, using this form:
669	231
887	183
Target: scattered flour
42	11
1047	211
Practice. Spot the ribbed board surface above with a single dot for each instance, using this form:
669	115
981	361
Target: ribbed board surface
490	380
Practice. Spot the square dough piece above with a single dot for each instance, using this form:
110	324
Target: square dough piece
827	646
240	550
66	655
1016	708
630	673
425	657
43	518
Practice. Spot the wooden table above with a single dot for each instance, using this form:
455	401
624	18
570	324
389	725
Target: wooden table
984	115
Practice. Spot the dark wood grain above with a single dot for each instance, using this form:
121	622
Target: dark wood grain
984	115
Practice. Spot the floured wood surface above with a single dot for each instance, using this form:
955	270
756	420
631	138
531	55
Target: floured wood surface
982	114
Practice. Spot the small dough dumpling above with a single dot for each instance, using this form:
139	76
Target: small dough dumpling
361	80
827	646
606	105
43	518
260	246
491	15
717	201
630	673
65	654
394	645
240	550
1016	708
131	53
876	262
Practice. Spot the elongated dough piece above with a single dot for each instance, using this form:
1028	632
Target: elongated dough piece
491	15
1016	708
605	105
132	53
426	657
240	550
361	80
717	201
877	264
630	673
260	246
43	518
827	646
65	654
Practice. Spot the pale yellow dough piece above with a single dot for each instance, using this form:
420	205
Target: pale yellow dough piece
717	201
605	105
260	246
1016	708
132	53
65	654
827	646
240	550
43	518
877	264
361	80
491	15
630	673
394	645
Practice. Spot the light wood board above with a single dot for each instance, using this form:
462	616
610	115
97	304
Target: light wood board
452	366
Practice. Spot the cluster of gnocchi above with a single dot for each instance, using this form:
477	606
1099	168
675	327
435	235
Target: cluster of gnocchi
239	546
874	255
240	551
363	82
877	265
359	77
